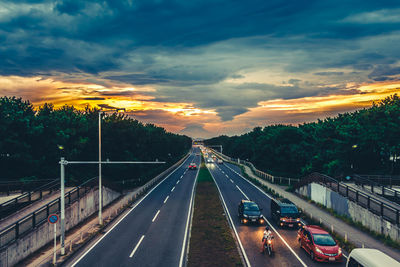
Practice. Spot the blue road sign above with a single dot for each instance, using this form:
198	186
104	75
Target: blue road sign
53	218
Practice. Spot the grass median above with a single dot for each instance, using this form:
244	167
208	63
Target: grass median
211	242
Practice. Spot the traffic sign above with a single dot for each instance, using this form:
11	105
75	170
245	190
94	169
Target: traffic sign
53	218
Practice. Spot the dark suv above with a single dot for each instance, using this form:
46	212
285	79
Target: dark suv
249	212
285	213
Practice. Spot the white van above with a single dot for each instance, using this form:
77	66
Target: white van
368	257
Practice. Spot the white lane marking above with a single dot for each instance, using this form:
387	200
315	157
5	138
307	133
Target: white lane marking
242	192
233	226
231	181
136	247
189	219
173	188
155	216
283	240
226	175
177	182
166	199
98	241
181	176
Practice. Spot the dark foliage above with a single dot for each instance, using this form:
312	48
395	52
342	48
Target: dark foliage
32	142
365	141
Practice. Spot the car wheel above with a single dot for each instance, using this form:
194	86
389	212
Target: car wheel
312	256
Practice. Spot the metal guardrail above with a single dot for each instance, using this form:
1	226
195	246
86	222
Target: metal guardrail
39	216
377	188
27	198
388	180
263	175
376	206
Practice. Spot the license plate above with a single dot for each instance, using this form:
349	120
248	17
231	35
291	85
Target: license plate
253	220
291	225
331	258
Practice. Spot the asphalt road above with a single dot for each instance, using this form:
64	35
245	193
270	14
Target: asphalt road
155	231
234	188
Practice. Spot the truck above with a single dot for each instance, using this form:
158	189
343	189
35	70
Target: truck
285	213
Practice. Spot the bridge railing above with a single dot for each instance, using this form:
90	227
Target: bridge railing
263	175
39	216
377	188
20	201
389	212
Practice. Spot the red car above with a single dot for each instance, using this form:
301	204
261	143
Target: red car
319	244
192	166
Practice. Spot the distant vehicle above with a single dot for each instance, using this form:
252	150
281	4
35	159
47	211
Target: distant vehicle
368	257
220	161
319	244
285	213
192	166
249	212
210	160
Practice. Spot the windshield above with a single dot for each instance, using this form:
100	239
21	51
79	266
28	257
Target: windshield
289	210
324	240
251	207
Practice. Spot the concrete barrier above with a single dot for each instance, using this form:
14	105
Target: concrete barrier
344	206
74	214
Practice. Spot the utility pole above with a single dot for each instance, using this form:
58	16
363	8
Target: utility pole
62	241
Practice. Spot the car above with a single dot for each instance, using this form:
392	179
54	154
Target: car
192	166
249	212
319	244
220	161
285	213
369	257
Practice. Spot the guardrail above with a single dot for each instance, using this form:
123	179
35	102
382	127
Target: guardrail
377	188
263	175
27	198
376	206
388	180
36	218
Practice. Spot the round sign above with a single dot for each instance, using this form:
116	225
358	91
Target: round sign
53	218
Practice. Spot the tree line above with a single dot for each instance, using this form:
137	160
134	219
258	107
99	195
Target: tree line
366	141
32	141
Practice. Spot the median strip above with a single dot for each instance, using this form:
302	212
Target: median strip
212	242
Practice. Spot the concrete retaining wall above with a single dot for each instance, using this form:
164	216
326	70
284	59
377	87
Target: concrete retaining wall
344	206
74	214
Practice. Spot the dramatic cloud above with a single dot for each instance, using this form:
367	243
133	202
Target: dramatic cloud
215	62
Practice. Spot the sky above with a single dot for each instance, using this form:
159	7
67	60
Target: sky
203	68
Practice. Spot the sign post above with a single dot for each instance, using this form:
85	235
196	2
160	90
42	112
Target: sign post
53	219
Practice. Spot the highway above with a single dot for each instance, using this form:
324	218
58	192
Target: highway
233	188
155	231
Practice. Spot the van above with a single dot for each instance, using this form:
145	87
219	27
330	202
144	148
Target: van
285	213
368	257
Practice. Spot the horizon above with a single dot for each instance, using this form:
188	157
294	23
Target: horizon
202	69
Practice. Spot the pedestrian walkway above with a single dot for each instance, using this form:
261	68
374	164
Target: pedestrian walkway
30	208
354	235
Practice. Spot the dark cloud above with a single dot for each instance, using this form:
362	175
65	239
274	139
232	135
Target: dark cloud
93	98
329	73
381	72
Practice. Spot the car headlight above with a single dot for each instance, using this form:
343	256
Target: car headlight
339	251
283	219
318	250
298	219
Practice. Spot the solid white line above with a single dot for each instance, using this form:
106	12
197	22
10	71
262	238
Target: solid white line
233	226
98	241
136	247
155	216
173	188
242	193
166	199
283	240
187	222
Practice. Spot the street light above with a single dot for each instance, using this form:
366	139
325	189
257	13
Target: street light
100	186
